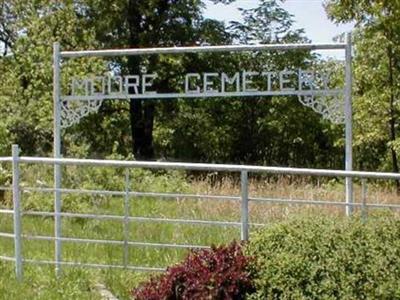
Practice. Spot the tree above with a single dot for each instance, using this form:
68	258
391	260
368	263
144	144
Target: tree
263	130
377	73
28	29
152	23
259	130
26	77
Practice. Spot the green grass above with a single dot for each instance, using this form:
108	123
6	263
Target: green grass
40	282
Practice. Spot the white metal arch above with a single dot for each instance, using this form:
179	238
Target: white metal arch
337	111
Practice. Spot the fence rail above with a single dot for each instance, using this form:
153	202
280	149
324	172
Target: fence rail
204	167
242	199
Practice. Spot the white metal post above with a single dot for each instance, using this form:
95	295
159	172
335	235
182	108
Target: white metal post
245	206
126	219
57	154
348	113
17	212
364	199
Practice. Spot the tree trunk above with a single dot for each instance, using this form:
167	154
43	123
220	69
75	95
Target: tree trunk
392	122
141	113
142	121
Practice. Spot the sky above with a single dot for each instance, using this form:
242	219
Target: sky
308	14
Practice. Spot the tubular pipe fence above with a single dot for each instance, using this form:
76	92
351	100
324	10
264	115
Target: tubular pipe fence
243	199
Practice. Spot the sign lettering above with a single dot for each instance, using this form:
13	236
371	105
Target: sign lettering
203	84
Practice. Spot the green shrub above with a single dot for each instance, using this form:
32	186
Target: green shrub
5	180
328	258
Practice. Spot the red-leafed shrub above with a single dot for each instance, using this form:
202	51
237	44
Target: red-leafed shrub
218	273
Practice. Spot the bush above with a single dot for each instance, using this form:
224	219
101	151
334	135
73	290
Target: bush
5	180
327	258
219	273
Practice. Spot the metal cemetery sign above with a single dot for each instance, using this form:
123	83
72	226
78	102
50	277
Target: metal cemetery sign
312	88
203	84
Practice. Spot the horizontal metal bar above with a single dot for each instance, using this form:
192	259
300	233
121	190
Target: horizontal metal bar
321	202
7	258
204	95
377	205
113	242
300	201
5	188
208	167
257	224
90	265
132	194
175	195
138	219
72	191
194	196
200	49
6	159
161	245
7	235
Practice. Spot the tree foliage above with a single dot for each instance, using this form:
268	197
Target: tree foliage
26	80
377	73
264	130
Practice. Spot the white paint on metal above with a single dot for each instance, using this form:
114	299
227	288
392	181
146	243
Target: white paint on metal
17	212
7	258
208	167
89	93
244	206
137	219
301	201
115	242
198	94
96	266
162	165
57	152
73	111
198	84
7	235
364	199
348	125
202	49
134	194
126	218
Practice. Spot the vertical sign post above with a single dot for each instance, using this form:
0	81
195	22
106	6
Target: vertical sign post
244	206
348	113
57	154
363	199
17	212
126	219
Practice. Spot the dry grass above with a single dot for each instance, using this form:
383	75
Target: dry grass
285	187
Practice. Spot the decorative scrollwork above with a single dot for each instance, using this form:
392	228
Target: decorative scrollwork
318	96
330	107
73	111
